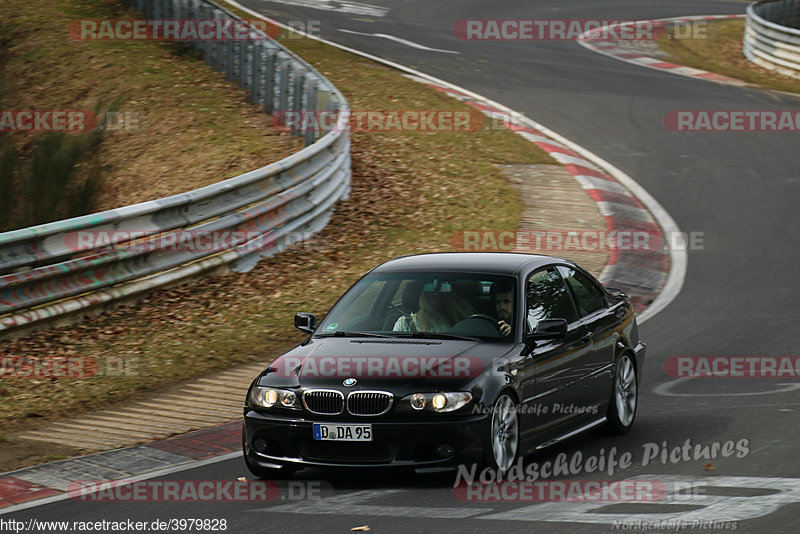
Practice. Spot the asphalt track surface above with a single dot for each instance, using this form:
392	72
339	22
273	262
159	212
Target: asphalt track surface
740	296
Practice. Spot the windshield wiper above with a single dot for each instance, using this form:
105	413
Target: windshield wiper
341	333
434	335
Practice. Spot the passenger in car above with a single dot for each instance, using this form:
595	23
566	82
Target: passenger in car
410	301
438	312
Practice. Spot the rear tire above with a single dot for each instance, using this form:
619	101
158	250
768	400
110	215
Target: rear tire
624	397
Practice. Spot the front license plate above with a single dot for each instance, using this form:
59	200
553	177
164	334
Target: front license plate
329	432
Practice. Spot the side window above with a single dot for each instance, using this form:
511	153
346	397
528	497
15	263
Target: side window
547	297
589	296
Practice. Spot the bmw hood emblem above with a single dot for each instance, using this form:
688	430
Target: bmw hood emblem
349	382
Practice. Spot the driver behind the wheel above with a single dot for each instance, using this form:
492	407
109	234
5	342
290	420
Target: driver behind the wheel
503	298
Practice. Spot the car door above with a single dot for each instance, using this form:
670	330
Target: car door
555	365
600	322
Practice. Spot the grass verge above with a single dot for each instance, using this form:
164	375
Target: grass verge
410	192
186	126
722	53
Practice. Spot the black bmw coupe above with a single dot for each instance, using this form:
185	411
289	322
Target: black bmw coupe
435	360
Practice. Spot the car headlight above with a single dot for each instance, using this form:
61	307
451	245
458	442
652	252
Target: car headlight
438	402
274	397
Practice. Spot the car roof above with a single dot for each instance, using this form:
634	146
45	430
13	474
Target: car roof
509	263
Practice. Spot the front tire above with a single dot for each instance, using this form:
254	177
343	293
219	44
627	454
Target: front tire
624	397
503	434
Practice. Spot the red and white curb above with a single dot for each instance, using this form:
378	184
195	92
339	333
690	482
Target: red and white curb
641	274
613	49
41	484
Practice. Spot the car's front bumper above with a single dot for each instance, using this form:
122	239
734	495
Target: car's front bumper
418	444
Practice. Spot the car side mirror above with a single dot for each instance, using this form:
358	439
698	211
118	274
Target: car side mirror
547	329
305	322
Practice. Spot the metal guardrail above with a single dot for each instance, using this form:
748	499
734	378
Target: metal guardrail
772	35
44	276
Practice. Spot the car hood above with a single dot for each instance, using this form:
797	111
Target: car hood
382	363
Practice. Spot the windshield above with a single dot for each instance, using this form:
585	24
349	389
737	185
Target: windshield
439	304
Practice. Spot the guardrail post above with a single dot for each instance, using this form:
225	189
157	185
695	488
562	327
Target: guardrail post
193	13
256	60
297	88
221	45
794	17
207	47
284	73
268	77
210	53
246	53
230	68
311	107
298	81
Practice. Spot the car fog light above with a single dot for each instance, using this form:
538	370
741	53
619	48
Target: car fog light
439	401
259	445
418	401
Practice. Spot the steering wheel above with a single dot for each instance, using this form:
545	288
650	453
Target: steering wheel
483	316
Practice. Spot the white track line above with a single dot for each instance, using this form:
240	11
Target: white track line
406	42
